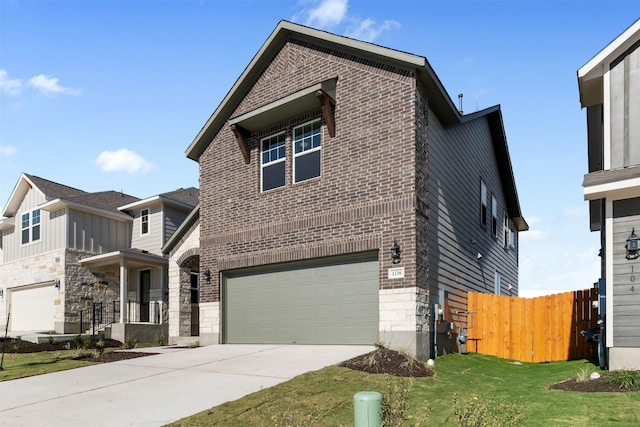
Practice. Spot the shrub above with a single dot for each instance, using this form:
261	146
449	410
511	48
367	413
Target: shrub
583	375
479	411
395	403
131	342
625	379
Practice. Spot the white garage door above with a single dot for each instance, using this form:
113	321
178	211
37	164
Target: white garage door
32	308
328	301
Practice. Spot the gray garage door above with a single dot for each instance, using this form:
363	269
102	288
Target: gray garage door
329	301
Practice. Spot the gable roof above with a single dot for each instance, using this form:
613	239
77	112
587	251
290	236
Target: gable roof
591	74
439	99
59	195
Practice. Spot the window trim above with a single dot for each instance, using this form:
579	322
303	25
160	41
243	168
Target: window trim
144	219
497	283
30	227
273	162
484	208
494	216
305	152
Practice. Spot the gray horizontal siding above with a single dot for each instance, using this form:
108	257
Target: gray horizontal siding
459	157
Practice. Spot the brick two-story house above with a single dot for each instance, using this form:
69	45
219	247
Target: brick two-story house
345	199
609	87
63	249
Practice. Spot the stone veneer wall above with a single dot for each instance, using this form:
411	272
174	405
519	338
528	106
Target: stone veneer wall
43	268
81	288
179	297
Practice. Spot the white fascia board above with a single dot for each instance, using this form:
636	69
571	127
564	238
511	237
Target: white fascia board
617	190
611	51
60	203
140	203
19	191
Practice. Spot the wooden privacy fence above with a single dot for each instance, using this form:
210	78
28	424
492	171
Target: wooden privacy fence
541	329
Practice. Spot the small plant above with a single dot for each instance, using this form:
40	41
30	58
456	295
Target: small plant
50	339
131	342
583	375
395	401
371	360
379	345
82	341
479	411
625	379
161	339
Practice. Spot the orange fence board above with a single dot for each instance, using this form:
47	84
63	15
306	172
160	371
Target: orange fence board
541	329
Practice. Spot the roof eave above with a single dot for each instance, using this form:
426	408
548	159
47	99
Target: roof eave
440	100
56	204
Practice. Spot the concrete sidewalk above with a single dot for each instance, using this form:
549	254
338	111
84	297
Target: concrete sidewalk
156	390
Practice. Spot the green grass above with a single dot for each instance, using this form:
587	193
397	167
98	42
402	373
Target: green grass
325	397
18	365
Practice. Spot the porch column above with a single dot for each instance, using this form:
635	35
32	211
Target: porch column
123	291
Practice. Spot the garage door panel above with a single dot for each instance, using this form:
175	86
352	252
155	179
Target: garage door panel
32	309
335	303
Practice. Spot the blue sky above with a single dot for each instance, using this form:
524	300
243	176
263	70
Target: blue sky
107	95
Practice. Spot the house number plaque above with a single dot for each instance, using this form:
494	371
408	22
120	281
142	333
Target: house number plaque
396	273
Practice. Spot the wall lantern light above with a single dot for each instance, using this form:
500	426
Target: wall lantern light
395	252
207	275
56	283
633	245
1	292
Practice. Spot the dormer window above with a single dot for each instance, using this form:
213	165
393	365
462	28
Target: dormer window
31	226
144	221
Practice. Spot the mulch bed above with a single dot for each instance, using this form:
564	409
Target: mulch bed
599	385
21	346
386	361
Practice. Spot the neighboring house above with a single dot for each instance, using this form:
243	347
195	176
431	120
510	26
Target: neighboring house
343	196
64	249
610	90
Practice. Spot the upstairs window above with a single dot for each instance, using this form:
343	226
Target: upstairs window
307	144
31	226
494	217
273	162
483	203
144	221
505	231
512	238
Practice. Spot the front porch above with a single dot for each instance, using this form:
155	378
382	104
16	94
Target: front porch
140	312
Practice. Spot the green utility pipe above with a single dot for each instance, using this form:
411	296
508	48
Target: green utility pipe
367	407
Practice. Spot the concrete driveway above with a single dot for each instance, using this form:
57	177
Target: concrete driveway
156	390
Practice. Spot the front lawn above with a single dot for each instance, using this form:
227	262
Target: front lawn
325	397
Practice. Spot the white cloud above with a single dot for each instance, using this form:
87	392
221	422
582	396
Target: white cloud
123	160
326	14
49	85
369	30
7	151
9	86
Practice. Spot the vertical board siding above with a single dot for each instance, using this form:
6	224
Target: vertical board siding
625	317
541	329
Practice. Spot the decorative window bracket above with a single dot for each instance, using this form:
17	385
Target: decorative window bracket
328	106
241	137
